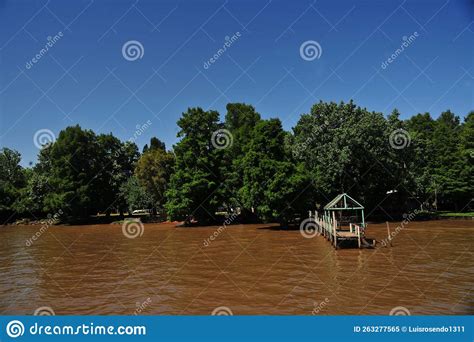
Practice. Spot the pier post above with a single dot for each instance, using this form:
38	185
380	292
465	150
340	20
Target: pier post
334	228
389	235
358	235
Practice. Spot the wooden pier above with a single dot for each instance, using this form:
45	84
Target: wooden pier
328	226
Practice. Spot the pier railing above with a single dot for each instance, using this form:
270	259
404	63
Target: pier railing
327	226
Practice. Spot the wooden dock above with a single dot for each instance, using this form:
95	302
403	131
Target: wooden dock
327	227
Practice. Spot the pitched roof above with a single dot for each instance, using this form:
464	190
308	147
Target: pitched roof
343	202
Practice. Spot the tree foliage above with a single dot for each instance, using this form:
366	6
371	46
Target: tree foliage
262	171
153	172
193	188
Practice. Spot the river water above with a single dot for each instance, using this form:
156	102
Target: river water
245	269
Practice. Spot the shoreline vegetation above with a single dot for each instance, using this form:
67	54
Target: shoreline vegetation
247	170
47	222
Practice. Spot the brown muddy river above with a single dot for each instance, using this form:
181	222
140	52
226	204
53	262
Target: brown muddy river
249	269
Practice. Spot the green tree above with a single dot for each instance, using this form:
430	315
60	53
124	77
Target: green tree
272	183
12	179
240	120
421	128
449	164
117	164
346	148
153	172
155	143
75	160
193	188
135	195
31	197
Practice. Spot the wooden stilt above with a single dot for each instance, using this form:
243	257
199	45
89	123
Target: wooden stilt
358	235
389	235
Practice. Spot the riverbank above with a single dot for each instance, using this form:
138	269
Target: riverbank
117	219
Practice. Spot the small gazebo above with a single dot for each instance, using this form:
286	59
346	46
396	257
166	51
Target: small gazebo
345	203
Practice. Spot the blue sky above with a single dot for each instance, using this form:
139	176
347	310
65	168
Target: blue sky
84	78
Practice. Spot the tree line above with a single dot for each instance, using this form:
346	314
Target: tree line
251	166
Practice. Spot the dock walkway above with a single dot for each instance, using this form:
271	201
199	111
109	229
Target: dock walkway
327	226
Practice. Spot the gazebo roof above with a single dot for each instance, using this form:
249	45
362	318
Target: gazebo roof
343	202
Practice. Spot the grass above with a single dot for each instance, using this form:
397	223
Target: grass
454	214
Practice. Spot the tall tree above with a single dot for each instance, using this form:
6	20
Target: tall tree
448	168
117	164
240	120
153	172
193	186
12	179
136	197
155	143
76	161
273	186
346	148
421	128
